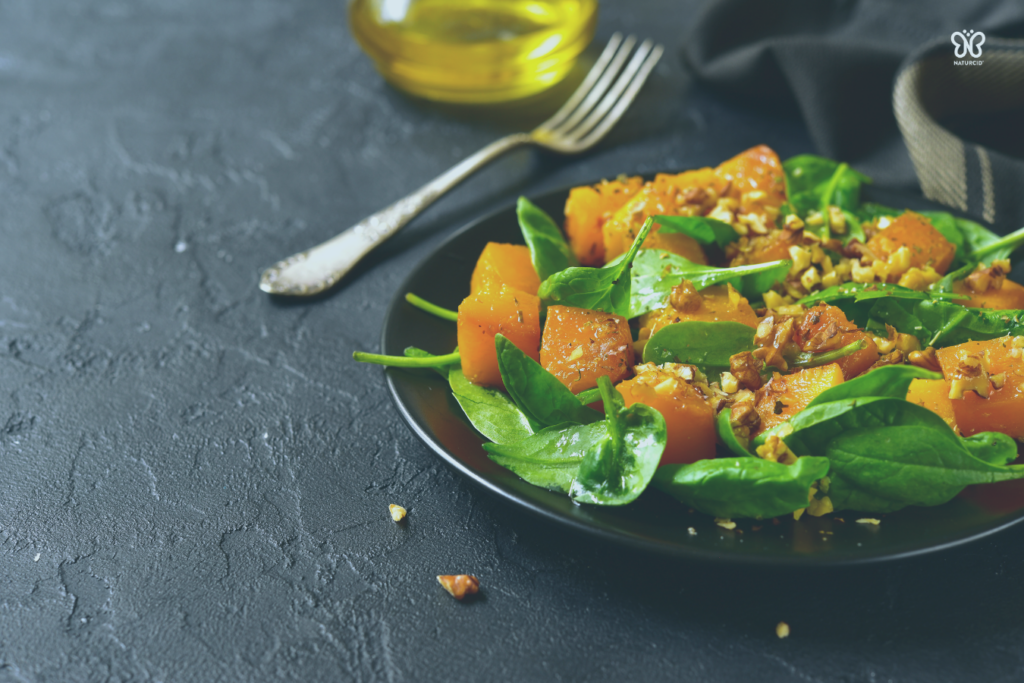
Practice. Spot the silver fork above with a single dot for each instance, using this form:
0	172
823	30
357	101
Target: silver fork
585	118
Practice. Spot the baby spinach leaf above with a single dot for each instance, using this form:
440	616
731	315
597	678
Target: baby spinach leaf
550	458
656	272
706	231
549	251
890	467
728	437
620	467
599	289
414	352
856	299
887	381
708	345
742	487
944	323
809	178
539	395
993	447
490	411
1000	248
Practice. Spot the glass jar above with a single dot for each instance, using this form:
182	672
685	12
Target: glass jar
473	51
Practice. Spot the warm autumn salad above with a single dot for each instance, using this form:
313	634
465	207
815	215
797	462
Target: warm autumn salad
752	339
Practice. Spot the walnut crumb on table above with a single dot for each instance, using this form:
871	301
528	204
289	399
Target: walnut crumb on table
868	520
459	585
397	512
782	630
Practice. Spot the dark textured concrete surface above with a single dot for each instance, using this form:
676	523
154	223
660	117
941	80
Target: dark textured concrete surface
195	477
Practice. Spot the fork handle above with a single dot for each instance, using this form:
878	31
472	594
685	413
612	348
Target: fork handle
314	270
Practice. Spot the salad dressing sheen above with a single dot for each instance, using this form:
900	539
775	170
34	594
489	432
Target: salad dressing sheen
473	51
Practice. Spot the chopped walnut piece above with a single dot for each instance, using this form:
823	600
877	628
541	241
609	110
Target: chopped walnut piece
460	585
725	523
775	449
985	279
746	369
827	338
769	355
893	358
397	512
782	630
744	419
685	297
970	374
820	506
925	359
868	520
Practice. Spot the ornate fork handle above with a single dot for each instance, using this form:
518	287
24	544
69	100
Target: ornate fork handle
319	268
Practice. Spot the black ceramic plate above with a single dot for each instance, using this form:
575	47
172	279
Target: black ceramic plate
653	522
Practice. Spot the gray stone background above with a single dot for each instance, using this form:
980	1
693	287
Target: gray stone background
194	478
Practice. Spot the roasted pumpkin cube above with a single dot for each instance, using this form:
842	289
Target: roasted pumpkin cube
925	246
933	394
485	314
653	199
826	328
505	264
783	396
718	303
689	419
1010	296
580	345
587	209
756	169
999	373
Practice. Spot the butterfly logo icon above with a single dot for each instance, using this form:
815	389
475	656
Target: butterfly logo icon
968	41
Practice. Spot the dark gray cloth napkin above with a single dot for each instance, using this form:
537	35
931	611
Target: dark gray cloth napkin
876	79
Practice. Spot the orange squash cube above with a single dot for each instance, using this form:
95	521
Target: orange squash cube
483	315
653	199
757	169
786	395
504	264
933	394
689	419
718	303
1003	410
587	209
822	320
580	345
1008	297
926	245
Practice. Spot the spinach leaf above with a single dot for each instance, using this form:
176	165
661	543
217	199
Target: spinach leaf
888	468
943	323
550	458
656	272
728	437
887	453
706	231
599	289
742	487
539	395
414	352
708	345
856	300
994	448
992	250
549	251
887	381
491	412
809	178
620	467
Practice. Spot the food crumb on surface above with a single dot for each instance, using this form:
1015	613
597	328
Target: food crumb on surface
691	531
397	512
868	520
459	585
725	523
782	630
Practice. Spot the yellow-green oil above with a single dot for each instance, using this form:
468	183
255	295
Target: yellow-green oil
473	50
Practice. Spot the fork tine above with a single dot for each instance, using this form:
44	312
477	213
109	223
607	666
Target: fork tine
598	89
584	87
623	103
613	94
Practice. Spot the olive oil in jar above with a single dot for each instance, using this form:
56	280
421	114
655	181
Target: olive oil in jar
473	50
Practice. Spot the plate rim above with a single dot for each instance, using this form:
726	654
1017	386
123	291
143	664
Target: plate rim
610	535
